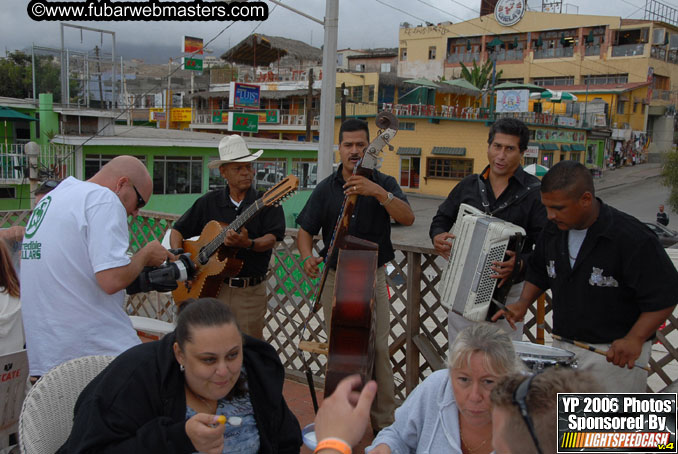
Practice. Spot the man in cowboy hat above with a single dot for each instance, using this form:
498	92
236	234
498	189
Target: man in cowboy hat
246	292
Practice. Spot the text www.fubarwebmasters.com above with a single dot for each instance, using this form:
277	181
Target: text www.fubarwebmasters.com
105	10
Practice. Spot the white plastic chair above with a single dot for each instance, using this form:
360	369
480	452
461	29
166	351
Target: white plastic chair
47	413
13	387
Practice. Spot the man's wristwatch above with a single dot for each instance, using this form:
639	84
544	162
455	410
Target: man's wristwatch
389	199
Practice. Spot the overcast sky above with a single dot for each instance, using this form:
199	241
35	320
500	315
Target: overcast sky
362	24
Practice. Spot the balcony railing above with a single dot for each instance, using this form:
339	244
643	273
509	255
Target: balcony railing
558	52
54	161
592	51
628	50
539	118
467	57
508	55
664	95
418	335
658	52
217	116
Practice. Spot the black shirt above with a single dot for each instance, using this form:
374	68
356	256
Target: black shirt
528	212
663	218
370	220
621	270
217	206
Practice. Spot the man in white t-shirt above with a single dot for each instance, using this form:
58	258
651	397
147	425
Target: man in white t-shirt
75	265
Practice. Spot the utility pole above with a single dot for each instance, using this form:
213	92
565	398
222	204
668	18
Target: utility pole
329	80
343	102
168	97
309	102
101	87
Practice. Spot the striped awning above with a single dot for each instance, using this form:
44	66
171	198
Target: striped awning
451	151
548	146
409	151
564	147
577	147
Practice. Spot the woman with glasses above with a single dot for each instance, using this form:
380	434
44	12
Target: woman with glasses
450	411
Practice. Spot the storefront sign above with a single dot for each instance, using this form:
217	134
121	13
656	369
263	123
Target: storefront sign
512	100
193	44
556	135
566	121
156	114
181	115
243	122
509	12
243	95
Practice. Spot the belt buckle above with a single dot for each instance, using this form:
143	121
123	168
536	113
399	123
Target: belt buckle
240	280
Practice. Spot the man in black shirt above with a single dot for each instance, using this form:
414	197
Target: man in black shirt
613	284
504	190
662	217
246	292
380	198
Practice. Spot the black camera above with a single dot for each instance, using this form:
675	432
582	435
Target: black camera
164	278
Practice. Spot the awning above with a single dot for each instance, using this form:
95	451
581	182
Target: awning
409	151
564	147
548	147
10	114
577	147
451	151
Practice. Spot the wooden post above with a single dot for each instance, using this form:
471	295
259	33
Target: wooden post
413	305
541	315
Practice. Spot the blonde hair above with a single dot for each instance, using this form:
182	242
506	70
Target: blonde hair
499	355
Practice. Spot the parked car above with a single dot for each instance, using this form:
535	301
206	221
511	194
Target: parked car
667	237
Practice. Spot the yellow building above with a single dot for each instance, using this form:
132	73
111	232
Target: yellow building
563	50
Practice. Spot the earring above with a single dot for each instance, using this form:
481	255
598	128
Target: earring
182	368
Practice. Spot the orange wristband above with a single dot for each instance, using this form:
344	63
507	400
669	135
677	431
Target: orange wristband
334	443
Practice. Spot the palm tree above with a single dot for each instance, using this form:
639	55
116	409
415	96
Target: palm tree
479	76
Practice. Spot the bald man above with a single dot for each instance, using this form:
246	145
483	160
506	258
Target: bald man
612	283
75	265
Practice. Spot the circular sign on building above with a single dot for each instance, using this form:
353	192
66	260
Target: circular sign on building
509	12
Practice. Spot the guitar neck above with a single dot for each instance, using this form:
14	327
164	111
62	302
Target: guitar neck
236	225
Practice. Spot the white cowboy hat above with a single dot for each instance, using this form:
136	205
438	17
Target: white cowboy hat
233	149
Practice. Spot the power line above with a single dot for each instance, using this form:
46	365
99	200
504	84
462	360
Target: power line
435	7
403	11
150	90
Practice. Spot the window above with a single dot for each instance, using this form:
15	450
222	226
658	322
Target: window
360	67
177	175
621	105
386	67
600	79
268	173
94	162
8	193
370	95
550	81
432	52
406	126
357	94
450	168
403	54
575	156
307	172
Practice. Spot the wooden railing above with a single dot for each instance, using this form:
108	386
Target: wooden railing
418	339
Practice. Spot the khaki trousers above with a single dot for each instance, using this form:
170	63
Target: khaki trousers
613	379
249	307
383	407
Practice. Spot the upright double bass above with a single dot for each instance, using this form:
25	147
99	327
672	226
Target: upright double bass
352	331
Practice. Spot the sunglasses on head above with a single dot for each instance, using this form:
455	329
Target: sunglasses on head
519	396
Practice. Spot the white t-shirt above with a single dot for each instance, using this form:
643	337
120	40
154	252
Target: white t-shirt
75	231
575	239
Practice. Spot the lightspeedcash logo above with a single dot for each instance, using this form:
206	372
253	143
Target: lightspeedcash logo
151	10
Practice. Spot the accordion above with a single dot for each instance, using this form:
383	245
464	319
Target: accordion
480	239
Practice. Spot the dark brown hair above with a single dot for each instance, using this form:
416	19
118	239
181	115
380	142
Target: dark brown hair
8	276
207	312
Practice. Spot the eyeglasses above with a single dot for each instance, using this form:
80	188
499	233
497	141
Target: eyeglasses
51	184
140	200
519	396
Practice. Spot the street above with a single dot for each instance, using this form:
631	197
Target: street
640	200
